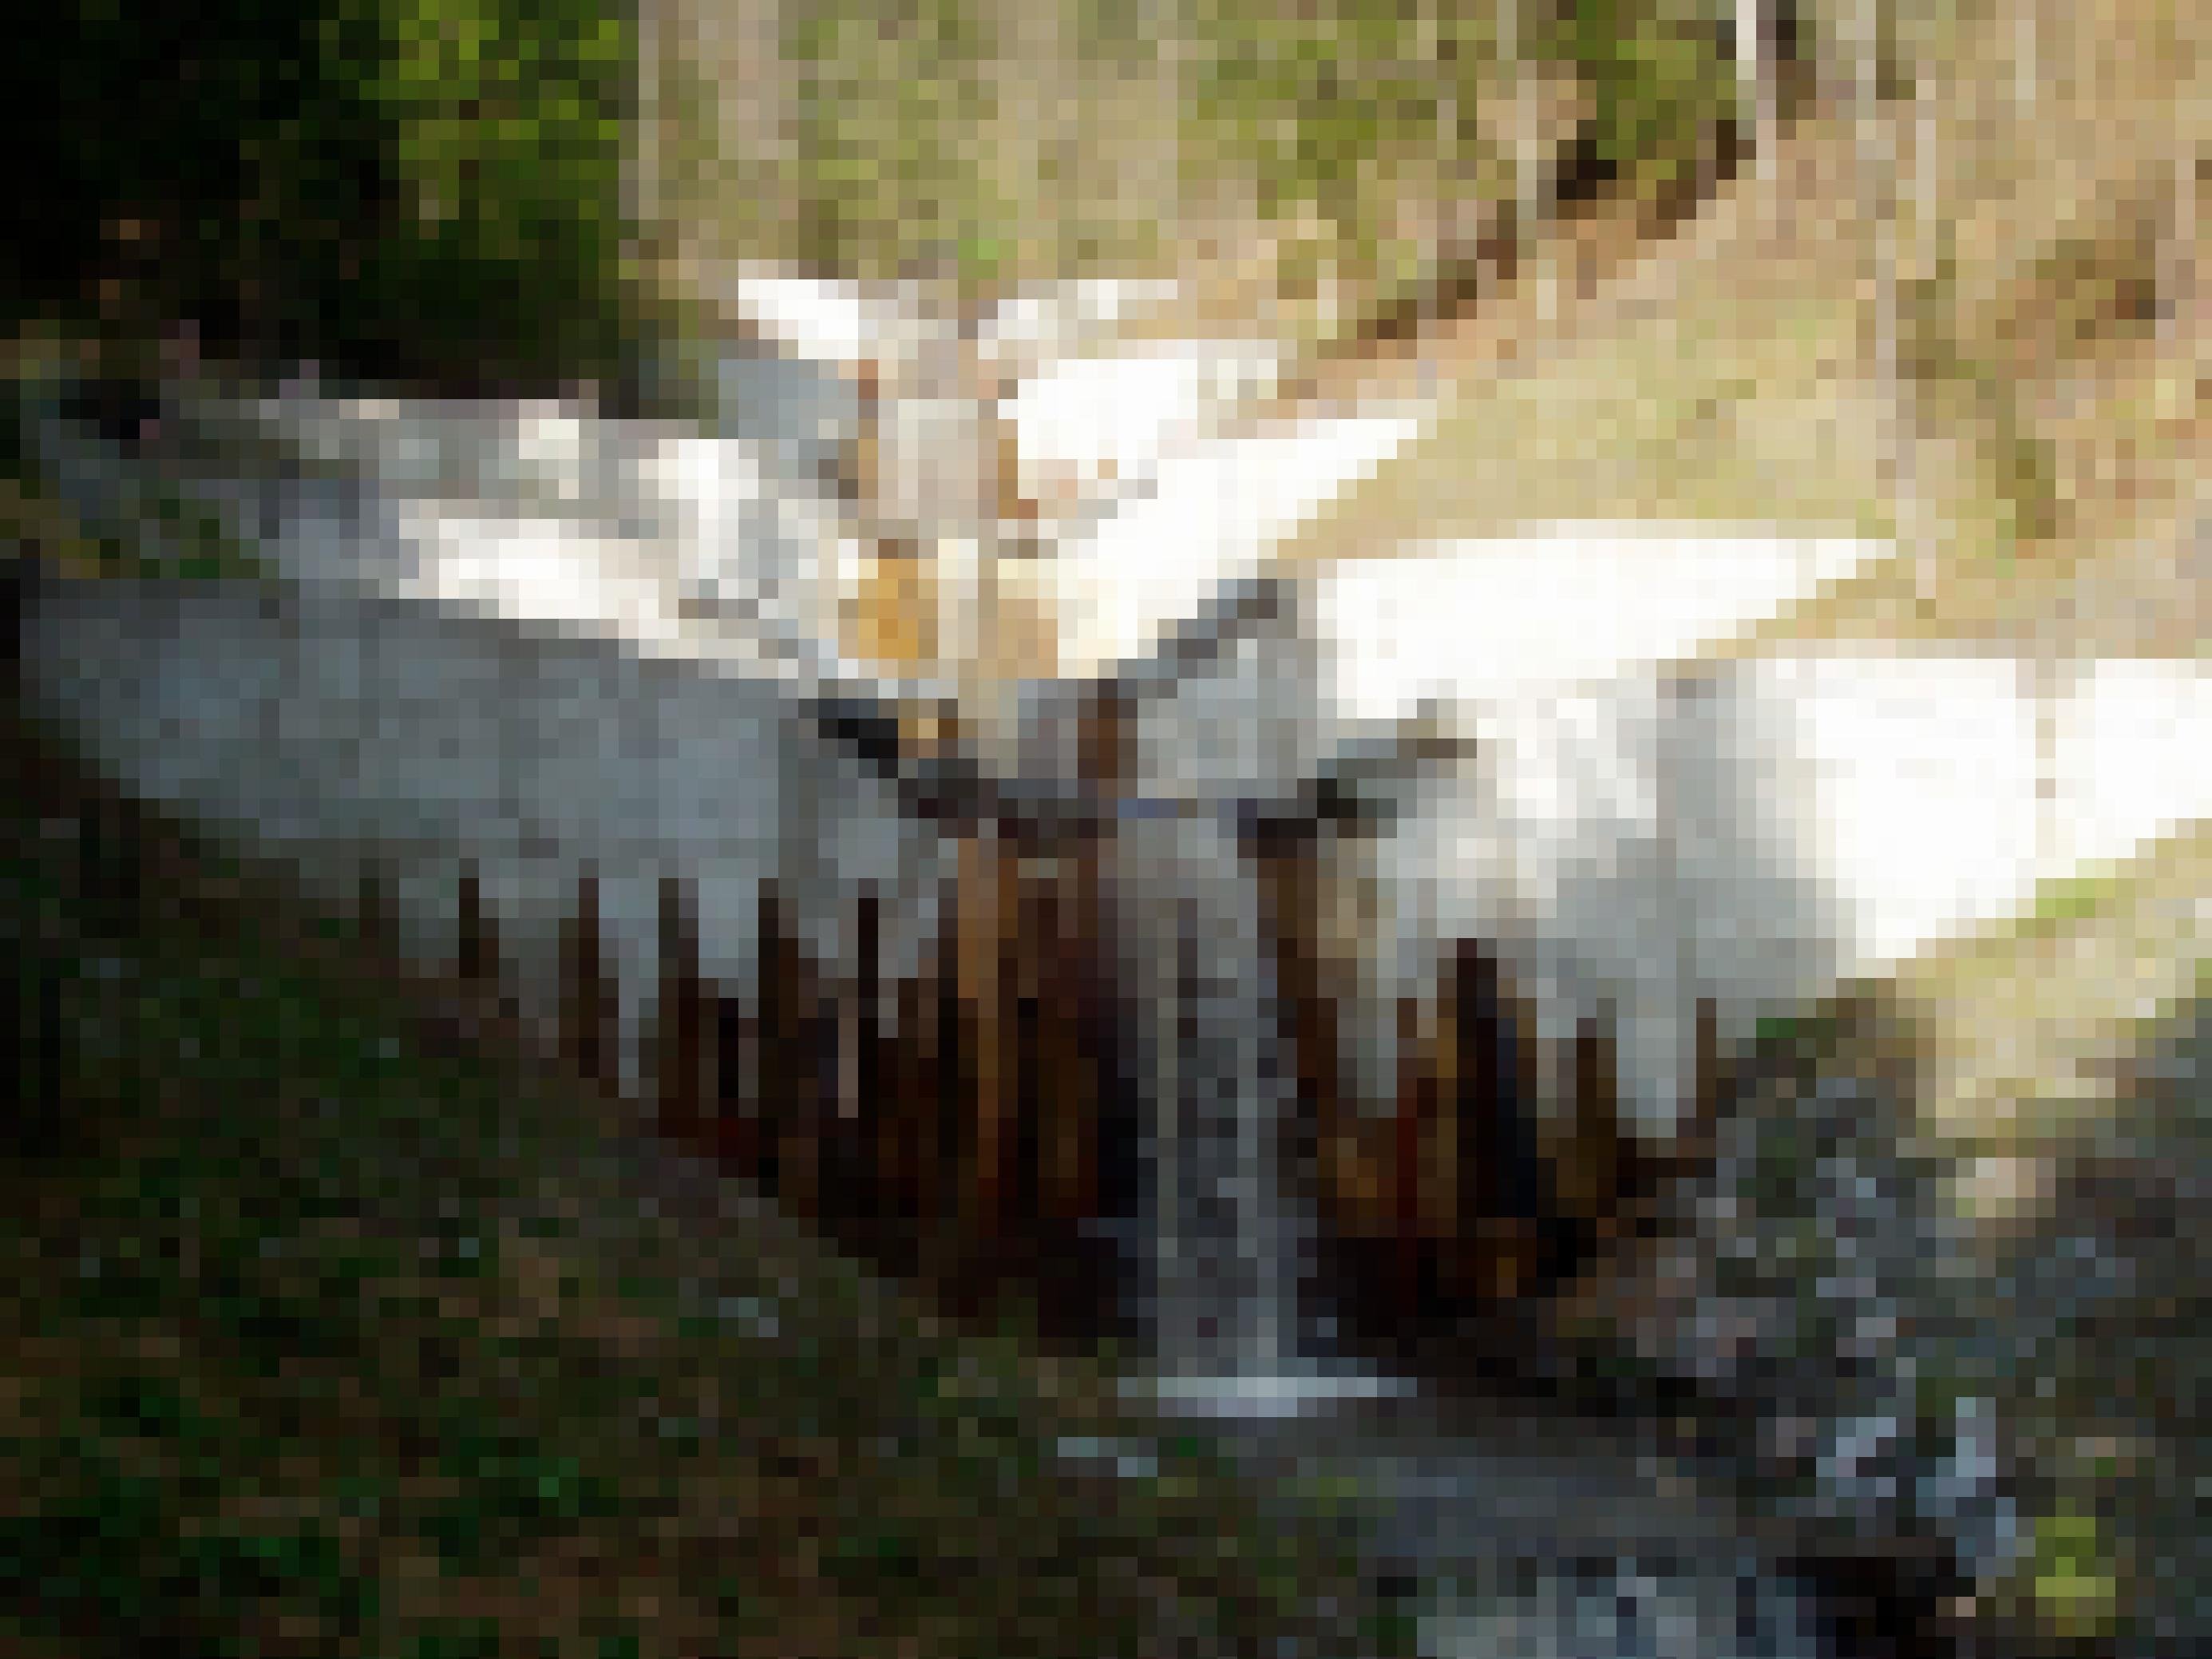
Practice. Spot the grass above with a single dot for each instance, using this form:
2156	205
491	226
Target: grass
324	1341
1727	376
2026	1023
2049	441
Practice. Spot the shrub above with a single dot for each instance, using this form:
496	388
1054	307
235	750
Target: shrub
423	189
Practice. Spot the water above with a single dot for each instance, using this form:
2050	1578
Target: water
1227	1246
1516	1531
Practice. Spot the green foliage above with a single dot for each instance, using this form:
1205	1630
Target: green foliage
510	1490
2065	901
2074	1575
506	128
1342	113
1313	98
890	100
420	188
1661	77
104	1558
1346	111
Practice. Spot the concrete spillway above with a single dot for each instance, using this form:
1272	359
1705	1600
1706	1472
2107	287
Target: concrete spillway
524	645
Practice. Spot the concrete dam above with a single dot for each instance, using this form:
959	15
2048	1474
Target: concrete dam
1168	915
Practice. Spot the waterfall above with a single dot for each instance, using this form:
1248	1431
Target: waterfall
1227	727
1226	1245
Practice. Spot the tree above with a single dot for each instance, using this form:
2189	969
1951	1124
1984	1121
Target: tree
425	190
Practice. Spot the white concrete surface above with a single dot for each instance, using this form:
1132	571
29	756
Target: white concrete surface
344	729
1211	516
457	662
1099	418
2133	742
1557	604
832	322
1755	833
848	323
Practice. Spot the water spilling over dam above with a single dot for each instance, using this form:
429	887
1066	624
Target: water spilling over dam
1168	941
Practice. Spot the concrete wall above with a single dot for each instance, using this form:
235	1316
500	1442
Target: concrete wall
1752	834
350	731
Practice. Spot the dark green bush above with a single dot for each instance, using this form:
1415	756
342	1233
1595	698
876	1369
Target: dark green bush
423	190
1662	80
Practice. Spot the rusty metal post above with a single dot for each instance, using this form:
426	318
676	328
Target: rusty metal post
739	1081
377	917
1068	1058
1592	1166
680	1024
1503	1194
851	1172
983	912
795	1115
774	1098
586	999
476	960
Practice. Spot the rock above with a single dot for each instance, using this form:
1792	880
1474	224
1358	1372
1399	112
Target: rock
1894	1373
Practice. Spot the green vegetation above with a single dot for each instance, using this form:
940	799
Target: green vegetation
2071	1570
891	105
423	188
1662	80
1338	111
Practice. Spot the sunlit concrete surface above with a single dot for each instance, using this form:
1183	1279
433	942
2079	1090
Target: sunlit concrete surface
1210	517
834	322
2135	747
1755	833
847	323
543	575
1557	604
670	540
1086	421
1453	639
1089	403
1922	798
